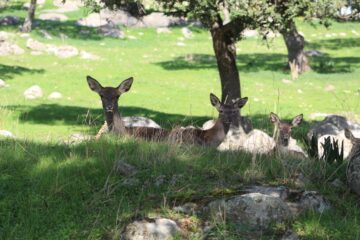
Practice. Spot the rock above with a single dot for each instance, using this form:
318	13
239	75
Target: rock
130	182
250	33
9	20
337	183
290	235
7	48
353	174
163	30
186	32
313	201
4	36
187	208
157	19
111	30
5	133
2	83
157	229
250	212
55	95
313	53
160	180
281	192
24	35
286	81
58	17
180	44
46	34
139	122
300	181
89	56
124	168
92	20
77	138
329	88
333	126
33	92
35	45
65	51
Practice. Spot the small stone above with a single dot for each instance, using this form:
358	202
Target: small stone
157	229
55	95
299	91
66	51
7	48
111	30
88	56
33	92
163	30
5	133
124	168
300	181
187	208
187	33
286	81
35	45
180	44
312	200
131	37
160	180
329	88
2	83
57	17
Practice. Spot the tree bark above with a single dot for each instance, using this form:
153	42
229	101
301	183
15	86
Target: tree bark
27	26
225	53
295	45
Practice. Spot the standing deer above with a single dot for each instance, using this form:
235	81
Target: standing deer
216	134
353	168
114	122
282	135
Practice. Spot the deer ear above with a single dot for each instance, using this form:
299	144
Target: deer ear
215	101
93	84
297	120
240	102
274	118
125	85
349	135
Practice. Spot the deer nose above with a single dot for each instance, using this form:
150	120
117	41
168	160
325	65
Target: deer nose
109	109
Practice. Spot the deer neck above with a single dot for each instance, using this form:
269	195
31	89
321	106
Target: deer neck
114	121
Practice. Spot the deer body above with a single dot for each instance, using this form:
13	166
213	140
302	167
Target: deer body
353	168
214	135
114	122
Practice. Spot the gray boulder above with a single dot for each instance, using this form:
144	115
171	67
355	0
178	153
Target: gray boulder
157	229
251	212
111	30
9	20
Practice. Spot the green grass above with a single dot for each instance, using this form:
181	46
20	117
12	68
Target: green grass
49	190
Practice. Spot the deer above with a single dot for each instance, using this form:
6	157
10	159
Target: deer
114	122
216	134
353	167
282	135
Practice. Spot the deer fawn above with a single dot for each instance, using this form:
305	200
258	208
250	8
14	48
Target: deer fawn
109	98
282	135
353	168
215	135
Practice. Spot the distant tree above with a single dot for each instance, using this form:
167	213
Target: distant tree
27	26
288	10
241	14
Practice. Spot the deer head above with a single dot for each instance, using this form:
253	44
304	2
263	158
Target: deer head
109	98
283	129
230	112
109	95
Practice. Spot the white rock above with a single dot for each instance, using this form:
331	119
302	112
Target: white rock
111	30
4	36
89	56
2	83
159	229
55	95
7	48
187	33
35	45
53	17
92	20
33	92
180	44
5	133
65	51
163	30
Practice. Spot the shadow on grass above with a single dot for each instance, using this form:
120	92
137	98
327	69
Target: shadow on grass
334	44
262	62
7	72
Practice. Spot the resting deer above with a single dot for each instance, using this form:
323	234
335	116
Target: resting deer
282	135
353	168
216	134
114	122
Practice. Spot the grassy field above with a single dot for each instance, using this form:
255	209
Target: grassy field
50	190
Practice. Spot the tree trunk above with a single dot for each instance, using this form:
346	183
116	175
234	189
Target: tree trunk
295	46
27	26
225	52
